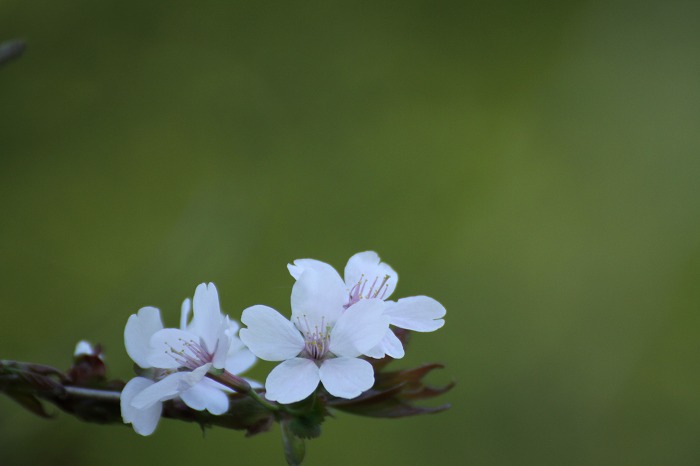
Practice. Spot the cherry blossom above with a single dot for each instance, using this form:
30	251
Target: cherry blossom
366	277
178	360
321	343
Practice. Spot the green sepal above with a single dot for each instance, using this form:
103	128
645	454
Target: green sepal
308	417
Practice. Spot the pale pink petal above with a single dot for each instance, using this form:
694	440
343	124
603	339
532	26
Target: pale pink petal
291	381
419	313
359	329
269	335
346	377
366	267
143	420
317	299
138	332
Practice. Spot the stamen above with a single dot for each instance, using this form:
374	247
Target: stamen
316	344
386	287
386	279
357	292
371	288
191	356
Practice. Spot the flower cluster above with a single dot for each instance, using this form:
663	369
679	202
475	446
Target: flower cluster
178	360
338	326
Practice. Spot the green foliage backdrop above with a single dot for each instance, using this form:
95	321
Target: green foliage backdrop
532	165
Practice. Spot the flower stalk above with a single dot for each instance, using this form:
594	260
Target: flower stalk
294	447
240	385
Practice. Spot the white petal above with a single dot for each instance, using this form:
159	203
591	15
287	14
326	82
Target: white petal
138	332
207	315
222	345
317	299
131	389
346	377
359	329
223	388
214	384
358	267
185	311
144	420
168	388
236	343
366	267
240	361
166	344
419	313
233	327
291	381
236	346
376	352
389	346
300	265
269	335
392	346
205	396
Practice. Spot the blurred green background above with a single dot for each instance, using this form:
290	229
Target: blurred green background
532	165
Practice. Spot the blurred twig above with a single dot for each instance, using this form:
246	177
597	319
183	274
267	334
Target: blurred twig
11	50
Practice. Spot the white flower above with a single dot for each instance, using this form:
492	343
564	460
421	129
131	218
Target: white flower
320	344
179	359
366	277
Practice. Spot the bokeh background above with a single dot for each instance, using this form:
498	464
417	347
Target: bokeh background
532	165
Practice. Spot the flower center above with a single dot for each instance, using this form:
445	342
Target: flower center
357	292
316	342
191	355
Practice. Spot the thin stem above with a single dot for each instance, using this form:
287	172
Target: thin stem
263	402
93	393
241	386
